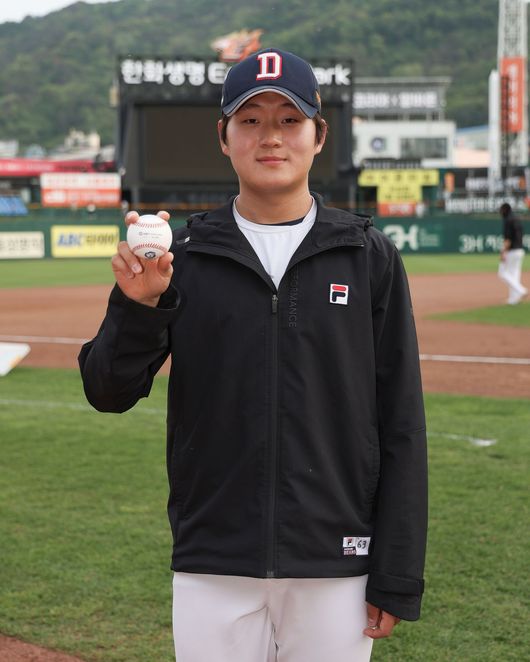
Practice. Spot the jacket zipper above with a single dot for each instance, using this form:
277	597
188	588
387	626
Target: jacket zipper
271	524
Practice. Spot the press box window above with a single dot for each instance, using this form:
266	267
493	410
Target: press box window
423	148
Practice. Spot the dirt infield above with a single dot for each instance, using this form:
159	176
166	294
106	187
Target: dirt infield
70	314
13	650
59	318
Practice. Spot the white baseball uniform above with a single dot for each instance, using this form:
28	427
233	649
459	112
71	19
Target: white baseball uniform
226	618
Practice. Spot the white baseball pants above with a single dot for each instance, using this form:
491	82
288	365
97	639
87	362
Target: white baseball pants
225	618
510	273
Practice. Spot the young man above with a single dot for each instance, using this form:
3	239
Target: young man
512	255
296	434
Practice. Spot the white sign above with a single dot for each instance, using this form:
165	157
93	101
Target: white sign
80	189
406	100
81	180
16	245
11	354
193	72
474	205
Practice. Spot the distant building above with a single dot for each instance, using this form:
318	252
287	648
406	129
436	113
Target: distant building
471	147
8	149
78	145
402	119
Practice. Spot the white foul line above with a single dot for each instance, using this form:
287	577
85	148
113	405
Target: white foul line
45	339
476	441
474	359
448	358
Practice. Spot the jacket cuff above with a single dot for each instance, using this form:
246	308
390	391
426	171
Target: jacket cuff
169	300
399	596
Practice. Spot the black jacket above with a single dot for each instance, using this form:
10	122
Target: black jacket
512	229
294	423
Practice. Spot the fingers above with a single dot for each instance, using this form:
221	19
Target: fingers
374	615
133	216
164	264
125	261
381	626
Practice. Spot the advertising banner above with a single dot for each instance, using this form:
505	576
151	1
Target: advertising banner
19	245
80	189
447	235
84	241
398	191
513	68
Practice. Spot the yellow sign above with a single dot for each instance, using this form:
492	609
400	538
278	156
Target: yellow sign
84	240
399	185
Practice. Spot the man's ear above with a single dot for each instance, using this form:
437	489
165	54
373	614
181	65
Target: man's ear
224	146
320	144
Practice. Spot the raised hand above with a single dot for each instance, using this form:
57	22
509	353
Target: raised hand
142	280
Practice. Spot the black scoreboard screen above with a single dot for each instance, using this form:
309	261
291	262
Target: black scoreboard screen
180	144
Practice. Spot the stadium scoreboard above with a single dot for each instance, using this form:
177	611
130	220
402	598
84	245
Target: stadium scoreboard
167	145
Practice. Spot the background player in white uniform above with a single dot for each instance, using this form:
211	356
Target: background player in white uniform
512	255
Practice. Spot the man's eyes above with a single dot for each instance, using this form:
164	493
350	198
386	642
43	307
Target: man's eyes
285	120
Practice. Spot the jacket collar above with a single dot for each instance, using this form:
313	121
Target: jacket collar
332	228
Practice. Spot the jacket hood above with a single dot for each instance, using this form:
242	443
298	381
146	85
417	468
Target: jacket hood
332	227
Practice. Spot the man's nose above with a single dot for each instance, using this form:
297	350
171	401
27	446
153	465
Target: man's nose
271	135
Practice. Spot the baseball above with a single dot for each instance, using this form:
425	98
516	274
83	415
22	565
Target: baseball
149	237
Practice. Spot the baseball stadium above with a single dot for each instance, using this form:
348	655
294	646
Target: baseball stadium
84	538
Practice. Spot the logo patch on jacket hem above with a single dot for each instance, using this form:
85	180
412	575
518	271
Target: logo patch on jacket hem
338	294
355	546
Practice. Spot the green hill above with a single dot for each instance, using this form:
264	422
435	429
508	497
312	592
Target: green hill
57	70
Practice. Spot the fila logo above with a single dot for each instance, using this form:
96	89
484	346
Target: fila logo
270	66
338	294
356	546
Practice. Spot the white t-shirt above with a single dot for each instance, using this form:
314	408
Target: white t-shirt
275	244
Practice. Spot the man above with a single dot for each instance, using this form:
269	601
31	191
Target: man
296	434
512	255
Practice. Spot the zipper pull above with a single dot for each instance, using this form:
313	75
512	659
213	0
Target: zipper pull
274	304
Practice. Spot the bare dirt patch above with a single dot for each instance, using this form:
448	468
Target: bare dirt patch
440	294
76	312
14	650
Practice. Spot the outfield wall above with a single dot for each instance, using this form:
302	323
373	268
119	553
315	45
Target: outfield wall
64	234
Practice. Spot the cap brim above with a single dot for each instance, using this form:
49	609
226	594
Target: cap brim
305	108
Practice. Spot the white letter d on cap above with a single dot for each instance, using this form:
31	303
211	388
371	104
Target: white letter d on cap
270	66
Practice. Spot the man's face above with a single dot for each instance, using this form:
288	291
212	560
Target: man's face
271	144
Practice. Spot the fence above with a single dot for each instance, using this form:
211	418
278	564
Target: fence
63	234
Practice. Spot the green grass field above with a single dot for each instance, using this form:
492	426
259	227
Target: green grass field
47	273
500	315
51	272
85	545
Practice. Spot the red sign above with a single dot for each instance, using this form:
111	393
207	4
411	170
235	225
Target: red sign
35	167
396	208
513	69
80	190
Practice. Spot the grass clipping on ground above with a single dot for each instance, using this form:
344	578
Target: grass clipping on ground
85	544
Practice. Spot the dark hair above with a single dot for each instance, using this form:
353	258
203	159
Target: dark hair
505	209
320	124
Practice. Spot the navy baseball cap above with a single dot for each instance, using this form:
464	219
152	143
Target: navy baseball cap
272	70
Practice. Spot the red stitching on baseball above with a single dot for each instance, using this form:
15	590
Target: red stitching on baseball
159	246
150	225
